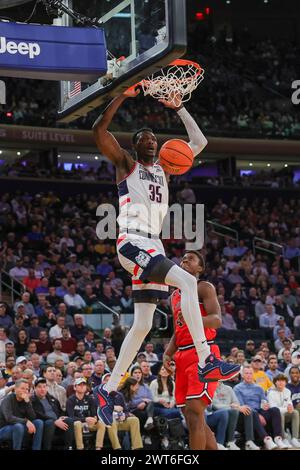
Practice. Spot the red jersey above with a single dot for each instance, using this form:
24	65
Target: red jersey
182	334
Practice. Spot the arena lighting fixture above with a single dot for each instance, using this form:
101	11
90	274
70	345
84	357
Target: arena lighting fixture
78	157
58	156
0	152
250	164
285	165
268	164
18	153
96	158
228	2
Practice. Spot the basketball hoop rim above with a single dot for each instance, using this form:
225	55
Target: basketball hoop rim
179	63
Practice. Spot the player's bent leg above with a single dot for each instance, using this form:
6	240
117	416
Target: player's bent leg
143	318
195	419
210	368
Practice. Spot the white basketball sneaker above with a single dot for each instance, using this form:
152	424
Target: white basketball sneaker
269	443
250	445
232	446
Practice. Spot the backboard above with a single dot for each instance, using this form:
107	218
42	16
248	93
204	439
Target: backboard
141	38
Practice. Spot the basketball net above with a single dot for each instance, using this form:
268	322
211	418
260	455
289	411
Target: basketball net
175	83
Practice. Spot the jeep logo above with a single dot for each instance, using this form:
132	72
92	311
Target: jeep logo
32	48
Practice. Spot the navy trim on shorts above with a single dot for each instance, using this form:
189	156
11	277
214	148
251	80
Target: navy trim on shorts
131	252
150	296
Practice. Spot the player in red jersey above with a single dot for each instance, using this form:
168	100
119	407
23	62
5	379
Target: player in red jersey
190	394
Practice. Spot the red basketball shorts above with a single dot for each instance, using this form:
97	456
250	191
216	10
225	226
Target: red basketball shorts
187	384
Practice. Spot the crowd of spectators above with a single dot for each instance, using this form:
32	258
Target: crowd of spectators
49	244
246	91
272	179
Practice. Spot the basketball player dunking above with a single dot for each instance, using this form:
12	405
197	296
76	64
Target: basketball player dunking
143	181
190	394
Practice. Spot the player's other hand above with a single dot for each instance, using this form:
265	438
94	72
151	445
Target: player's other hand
132	92
174	101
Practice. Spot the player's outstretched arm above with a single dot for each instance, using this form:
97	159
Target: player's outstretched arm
197	139
207	293
106	142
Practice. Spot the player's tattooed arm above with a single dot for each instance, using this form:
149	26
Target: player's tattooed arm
207	293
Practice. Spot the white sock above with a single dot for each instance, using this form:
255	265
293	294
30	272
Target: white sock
190	308
143	318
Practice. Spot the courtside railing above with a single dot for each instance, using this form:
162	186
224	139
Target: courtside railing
10	286
222	230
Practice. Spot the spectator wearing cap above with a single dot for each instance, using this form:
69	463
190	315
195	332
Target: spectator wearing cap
18	419
68	343
57	353
82	409
249	349
253	396
259	376
5	318
295	361
56	330
44	346
57	391
34	329
21	362
278	343
4	389
72	299
281	325
280	397
78	331
48	409
272	370
10	348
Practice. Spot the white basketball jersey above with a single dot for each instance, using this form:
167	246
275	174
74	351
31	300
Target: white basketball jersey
143	199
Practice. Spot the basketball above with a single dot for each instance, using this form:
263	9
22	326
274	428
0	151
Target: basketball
176	157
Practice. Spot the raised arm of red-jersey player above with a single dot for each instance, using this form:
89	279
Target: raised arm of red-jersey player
207	293
106	142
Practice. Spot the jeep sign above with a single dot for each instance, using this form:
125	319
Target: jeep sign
52	52
32	48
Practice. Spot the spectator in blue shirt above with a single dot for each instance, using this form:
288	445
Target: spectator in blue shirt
104	268
294	386
252	395
269	318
